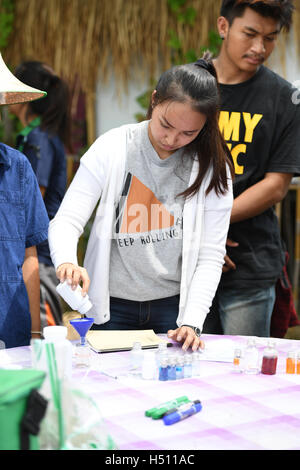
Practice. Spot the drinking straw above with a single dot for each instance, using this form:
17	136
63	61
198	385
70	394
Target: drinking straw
37	346
55	383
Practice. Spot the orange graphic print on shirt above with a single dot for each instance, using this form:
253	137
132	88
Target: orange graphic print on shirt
142	212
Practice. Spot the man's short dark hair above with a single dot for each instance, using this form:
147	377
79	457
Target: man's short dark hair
280	10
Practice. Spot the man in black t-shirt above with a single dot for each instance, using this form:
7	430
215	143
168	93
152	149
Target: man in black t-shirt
260	121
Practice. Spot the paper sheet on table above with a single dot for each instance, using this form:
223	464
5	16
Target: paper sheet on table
221	350
7	362
117	340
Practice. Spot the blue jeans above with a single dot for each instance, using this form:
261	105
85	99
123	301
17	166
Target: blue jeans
158	315
246	312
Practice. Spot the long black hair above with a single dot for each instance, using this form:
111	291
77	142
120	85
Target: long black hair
54	109
197	85
279	10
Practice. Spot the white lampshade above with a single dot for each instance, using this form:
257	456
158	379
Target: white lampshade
12	90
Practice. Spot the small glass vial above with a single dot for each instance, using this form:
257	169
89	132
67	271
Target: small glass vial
188	370
269	361
82	355
136	358
251	358
298	362
172	368
162	352
196	364
74	298
237	361
163	370
179	368
291	363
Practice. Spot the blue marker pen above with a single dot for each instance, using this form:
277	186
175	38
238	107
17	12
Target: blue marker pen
182	412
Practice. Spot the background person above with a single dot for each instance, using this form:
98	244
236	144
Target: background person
261	125
24	225
45	135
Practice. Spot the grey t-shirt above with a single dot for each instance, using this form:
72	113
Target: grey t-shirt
146	253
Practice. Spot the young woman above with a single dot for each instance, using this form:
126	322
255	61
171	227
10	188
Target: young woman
43	140
157	245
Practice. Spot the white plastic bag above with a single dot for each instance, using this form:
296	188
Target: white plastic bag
73	420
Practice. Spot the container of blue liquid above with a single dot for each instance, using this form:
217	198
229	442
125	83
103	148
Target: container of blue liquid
179	368
172	368
163	370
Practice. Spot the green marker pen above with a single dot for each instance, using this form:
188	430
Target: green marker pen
159	411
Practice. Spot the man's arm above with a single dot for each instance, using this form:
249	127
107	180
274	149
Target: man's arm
32	282
259	197
255	200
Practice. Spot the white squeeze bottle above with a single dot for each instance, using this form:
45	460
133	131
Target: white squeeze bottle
74	298
63	349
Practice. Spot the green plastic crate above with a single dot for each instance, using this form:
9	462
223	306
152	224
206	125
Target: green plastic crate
15	388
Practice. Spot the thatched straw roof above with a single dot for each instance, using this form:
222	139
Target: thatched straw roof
85	40
85	37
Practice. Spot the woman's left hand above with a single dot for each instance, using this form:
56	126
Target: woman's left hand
187	336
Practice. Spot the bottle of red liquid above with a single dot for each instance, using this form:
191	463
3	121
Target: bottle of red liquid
269	361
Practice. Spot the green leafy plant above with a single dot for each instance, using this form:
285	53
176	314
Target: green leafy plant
186	15
6	21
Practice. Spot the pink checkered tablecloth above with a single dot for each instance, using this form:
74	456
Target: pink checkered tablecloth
240	412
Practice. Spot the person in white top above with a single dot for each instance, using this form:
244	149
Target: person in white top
164	193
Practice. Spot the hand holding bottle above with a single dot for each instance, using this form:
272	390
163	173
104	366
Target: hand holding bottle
74	274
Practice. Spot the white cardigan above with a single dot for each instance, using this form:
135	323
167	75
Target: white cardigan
100	177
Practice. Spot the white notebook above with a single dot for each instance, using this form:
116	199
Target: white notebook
122	340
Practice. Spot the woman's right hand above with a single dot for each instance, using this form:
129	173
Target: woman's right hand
74	274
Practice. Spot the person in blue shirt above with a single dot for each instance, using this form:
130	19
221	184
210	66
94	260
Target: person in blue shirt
43	140
24	225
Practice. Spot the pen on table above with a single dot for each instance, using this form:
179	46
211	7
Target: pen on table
158	411
108	375
183	411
